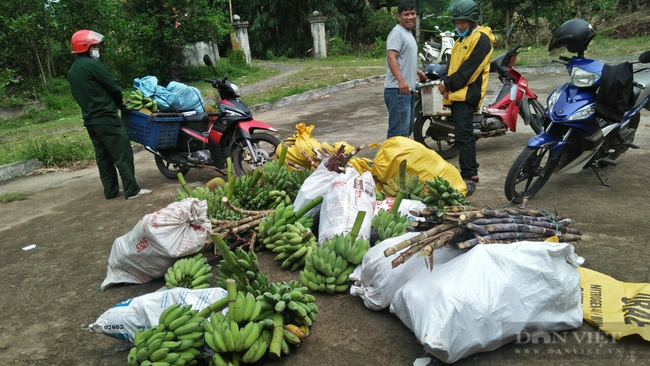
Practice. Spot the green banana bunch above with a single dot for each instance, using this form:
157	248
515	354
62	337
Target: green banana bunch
248	194
291	300
295	179
232	339
273	227
194	273
274	178
136	101
254	281
176	340
294	246
411	187
389	224
441	193
217	210
329	267
277	196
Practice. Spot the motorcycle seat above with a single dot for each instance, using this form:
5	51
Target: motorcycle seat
198	117
435	45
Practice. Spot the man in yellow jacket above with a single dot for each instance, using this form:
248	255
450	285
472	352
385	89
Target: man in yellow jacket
464	85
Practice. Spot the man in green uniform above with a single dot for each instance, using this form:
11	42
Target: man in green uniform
99	96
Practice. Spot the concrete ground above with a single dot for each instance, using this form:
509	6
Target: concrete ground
49	293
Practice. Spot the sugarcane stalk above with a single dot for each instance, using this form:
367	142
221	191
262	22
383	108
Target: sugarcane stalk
275	348
476	241
351	155
224	224
181	180
463	217
241	228
520	228
309	159
251	242
221	303
413	241
226	201
514	235
442	239
479	229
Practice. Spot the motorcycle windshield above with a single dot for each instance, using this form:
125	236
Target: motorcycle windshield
570	100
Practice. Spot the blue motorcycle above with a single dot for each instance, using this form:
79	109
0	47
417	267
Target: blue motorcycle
589	121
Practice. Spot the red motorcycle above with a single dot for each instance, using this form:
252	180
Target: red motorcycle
434	127
181	141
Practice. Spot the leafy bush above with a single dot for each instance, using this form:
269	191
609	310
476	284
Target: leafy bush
59	151
379	25
339	47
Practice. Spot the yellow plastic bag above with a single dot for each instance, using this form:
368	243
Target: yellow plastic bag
420	160
300	141
617	308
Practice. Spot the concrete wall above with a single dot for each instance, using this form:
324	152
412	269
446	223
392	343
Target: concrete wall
194	53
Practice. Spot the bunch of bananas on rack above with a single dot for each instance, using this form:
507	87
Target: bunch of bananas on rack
292	301
294	246
137	101
273	227
441	193
176	340
329	267
254	281
389	224
189	272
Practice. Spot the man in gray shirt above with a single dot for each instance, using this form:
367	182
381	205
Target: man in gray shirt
401	71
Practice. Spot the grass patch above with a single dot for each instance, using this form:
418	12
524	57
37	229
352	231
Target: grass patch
10	197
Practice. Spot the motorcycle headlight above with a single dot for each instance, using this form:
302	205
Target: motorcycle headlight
235	89
583	113
552	99
582	78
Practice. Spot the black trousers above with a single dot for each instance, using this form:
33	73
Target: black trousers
462	114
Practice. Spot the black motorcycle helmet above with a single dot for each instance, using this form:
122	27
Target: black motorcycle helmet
574	35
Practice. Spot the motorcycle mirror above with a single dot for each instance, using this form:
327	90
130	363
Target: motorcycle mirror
207	60
422	57
645	57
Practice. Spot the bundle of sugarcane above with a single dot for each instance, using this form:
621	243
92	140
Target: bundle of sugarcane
335	161
466	227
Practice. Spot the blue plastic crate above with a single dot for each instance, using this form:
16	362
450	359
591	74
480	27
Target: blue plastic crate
158	132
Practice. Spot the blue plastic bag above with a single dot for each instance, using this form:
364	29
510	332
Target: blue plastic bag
177	97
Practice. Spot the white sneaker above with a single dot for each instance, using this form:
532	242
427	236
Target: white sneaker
141	193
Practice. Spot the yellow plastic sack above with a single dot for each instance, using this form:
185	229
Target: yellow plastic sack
420	160
617	308
300	141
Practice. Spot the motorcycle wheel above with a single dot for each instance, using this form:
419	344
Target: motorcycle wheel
537	115
241	156
443	144
170	170
528	174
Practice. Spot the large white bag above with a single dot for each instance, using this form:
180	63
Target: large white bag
348	194
484	298
124	319
376	281
316	184
157	240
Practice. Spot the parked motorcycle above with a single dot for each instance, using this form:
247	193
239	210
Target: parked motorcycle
434	127
434	52
206	140
578	135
